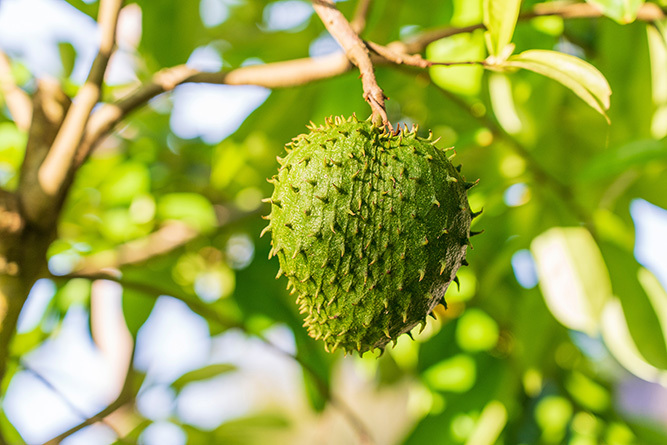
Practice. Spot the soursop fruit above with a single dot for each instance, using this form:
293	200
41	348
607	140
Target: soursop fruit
370	228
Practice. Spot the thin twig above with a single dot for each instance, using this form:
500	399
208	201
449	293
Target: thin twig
63	397
416	60
60	160
299	71
357	52
648	12
271	75
18	101
126	395
360	17
171	236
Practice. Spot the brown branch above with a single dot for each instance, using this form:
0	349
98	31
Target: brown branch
127	395
302	71
57	165
272	75
171	236
358	22
11	221
166	239
398	58
18	101
357	52
49	107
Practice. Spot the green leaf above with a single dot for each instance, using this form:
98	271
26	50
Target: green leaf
205	373
137	307
9	433
67	57
457	374
573	276
623	11
618	339
170	31
124	183
617	160
134	434
459	48
579	76
641	314
191	208
500	17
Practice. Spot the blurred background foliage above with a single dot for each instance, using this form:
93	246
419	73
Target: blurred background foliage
557	333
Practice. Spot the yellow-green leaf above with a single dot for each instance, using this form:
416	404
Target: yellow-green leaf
574	73
623	11
573	276
500	17
205	373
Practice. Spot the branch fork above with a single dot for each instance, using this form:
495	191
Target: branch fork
357	52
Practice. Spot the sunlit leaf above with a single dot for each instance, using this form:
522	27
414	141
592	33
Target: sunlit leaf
191	208
502	101
617	160
457	374
67	57
205	373
579	76
458	48
9	433
137	308
500	17
573	277
644	319
588	393
623	11
553	413
134	434
619	341
476	331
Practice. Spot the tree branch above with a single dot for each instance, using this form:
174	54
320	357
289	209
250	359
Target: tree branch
357	52
11	221
49	107
17	100
54	389
171	236
272	75
302	71
58	164
648	12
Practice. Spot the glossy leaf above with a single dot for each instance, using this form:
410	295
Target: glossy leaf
618	339
191	208
643	314
573	276
500	17
137	307
574	73
205	373
617	160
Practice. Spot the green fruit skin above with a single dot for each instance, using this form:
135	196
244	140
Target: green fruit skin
369	228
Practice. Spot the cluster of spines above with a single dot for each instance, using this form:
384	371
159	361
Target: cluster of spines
309	299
